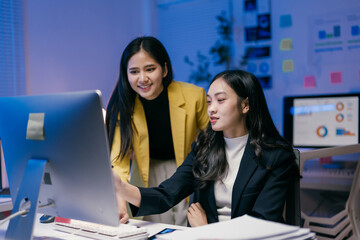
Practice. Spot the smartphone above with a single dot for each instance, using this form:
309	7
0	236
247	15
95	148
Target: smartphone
165	230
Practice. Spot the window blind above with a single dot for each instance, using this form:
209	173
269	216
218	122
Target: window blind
12	64
189	27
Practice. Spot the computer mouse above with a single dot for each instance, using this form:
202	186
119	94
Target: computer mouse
47	219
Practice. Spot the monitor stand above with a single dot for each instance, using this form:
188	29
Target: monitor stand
21	227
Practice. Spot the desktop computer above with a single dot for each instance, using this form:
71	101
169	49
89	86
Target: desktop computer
57	159
319	121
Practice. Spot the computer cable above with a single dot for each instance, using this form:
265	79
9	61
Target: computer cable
25	211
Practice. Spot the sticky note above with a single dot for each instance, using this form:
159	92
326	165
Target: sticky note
309	82
336	77
285	21
35	126
286	44
288	65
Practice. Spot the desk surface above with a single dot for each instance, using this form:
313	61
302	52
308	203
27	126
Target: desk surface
46	230
5	200
5	204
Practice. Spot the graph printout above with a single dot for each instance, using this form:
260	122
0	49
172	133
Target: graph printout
335	38
328	121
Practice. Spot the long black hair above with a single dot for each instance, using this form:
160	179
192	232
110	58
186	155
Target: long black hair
210	163
122	100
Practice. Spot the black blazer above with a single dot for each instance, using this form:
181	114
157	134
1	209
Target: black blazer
258	191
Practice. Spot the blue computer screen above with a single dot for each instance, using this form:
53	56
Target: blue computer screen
322	120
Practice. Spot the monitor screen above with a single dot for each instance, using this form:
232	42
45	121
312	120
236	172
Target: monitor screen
64	138
322	120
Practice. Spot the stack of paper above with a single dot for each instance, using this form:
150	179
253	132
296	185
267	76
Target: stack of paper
244	227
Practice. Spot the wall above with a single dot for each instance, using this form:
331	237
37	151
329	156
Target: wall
189	26
333	55
74	45
310	69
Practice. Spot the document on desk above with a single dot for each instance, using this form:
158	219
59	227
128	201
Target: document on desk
244	227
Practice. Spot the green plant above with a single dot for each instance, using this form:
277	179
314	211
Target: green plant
201	74
220	52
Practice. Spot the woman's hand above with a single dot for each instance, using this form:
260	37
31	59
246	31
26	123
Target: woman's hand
125	192
122	210
196	215
121	203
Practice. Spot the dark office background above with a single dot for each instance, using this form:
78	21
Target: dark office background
295	47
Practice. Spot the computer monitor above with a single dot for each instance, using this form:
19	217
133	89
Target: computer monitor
322	120
56	151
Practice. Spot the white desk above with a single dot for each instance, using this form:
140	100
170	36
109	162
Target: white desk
46	230
244	227
5	204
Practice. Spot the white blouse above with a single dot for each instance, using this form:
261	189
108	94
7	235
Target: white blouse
234	148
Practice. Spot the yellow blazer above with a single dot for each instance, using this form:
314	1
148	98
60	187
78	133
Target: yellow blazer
188	114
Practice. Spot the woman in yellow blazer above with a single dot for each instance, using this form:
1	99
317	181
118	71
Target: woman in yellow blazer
152	121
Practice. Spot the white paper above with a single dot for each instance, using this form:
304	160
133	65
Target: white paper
244	227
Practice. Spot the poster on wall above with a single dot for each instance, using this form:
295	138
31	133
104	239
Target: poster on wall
259	63
335	38
257	34
262	31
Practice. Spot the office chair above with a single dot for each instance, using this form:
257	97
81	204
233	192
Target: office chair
353	203
346	222
292	209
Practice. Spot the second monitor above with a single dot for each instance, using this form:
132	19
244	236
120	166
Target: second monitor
322	120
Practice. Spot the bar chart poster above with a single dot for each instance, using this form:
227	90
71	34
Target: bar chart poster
335	38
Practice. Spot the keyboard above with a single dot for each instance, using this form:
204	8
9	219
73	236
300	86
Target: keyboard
99	231
333	177
330	173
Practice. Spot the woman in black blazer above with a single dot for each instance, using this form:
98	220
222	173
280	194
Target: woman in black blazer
239	165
